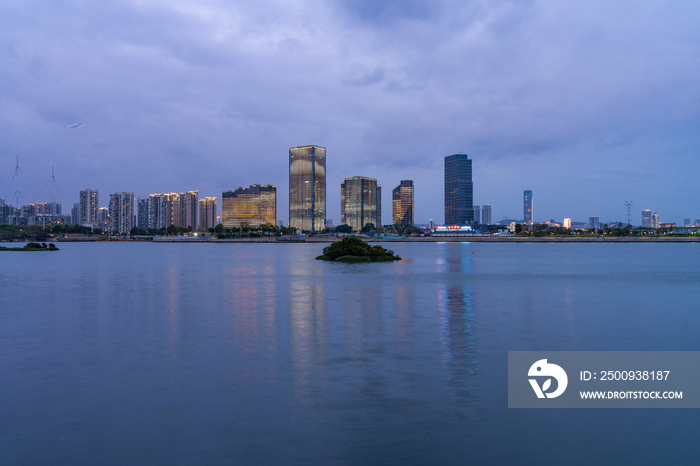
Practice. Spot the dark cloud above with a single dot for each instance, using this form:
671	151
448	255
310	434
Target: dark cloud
587	104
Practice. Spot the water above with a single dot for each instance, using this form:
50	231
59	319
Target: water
257	354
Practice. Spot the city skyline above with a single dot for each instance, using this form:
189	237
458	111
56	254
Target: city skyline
181	209
536	105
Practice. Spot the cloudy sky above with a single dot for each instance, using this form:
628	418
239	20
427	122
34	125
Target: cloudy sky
589	104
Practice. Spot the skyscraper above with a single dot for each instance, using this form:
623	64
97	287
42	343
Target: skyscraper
477	214
254	206
89	203
459	190
121	213
103	219
189	203
593	223
566	224
207	213
486	214
172	207
360	202
527	207
379	205
75	214
655	220
307	188
646	218
402	206
159	214
142	216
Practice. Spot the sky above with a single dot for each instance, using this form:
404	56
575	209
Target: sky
589	104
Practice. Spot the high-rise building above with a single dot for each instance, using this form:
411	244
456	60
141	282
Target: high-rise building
89	203
459	190
527	207
172	207
254	206
646	218
307	188
75	214
189	204
402	205
687	223
103	219
121	213
567	224
431	224
207	213
477	214
143	214
593	223
359	202
655	220
379	205
486	214
159	211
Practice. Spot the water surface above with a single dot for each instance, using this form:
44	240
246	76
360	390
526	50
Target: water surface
118	353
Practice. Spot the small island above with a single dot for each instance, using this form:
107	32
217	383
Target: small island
33	247
353	249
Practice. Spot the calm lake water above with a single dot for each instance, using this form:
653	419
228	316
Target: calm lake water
258	354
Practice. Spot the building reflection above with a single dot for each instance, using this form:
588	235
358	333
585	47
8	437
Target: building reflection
457	321
308	338
249	311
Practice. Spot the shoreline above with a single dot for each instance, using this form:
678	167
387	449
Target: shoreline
426	239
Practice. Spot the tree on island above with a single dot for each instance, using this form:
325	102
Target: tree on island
353	249
343	229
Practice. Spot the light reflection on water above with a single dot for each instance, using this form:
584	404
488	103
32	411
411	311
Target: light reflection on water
257	354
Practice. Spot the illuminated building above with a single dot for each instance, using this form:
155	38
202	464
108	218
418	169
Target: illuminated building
655	220
567	224
159	214
172	207
402	203
103	218
646	218
121	213
254	206
359	202
527	207
89	202
459	190
207	213
486	214
189	203
307	188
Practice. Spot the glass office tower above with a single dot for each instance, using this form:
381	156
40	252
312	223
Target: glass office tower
254	206
527	207
402	203
360	202
459	190
307	188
